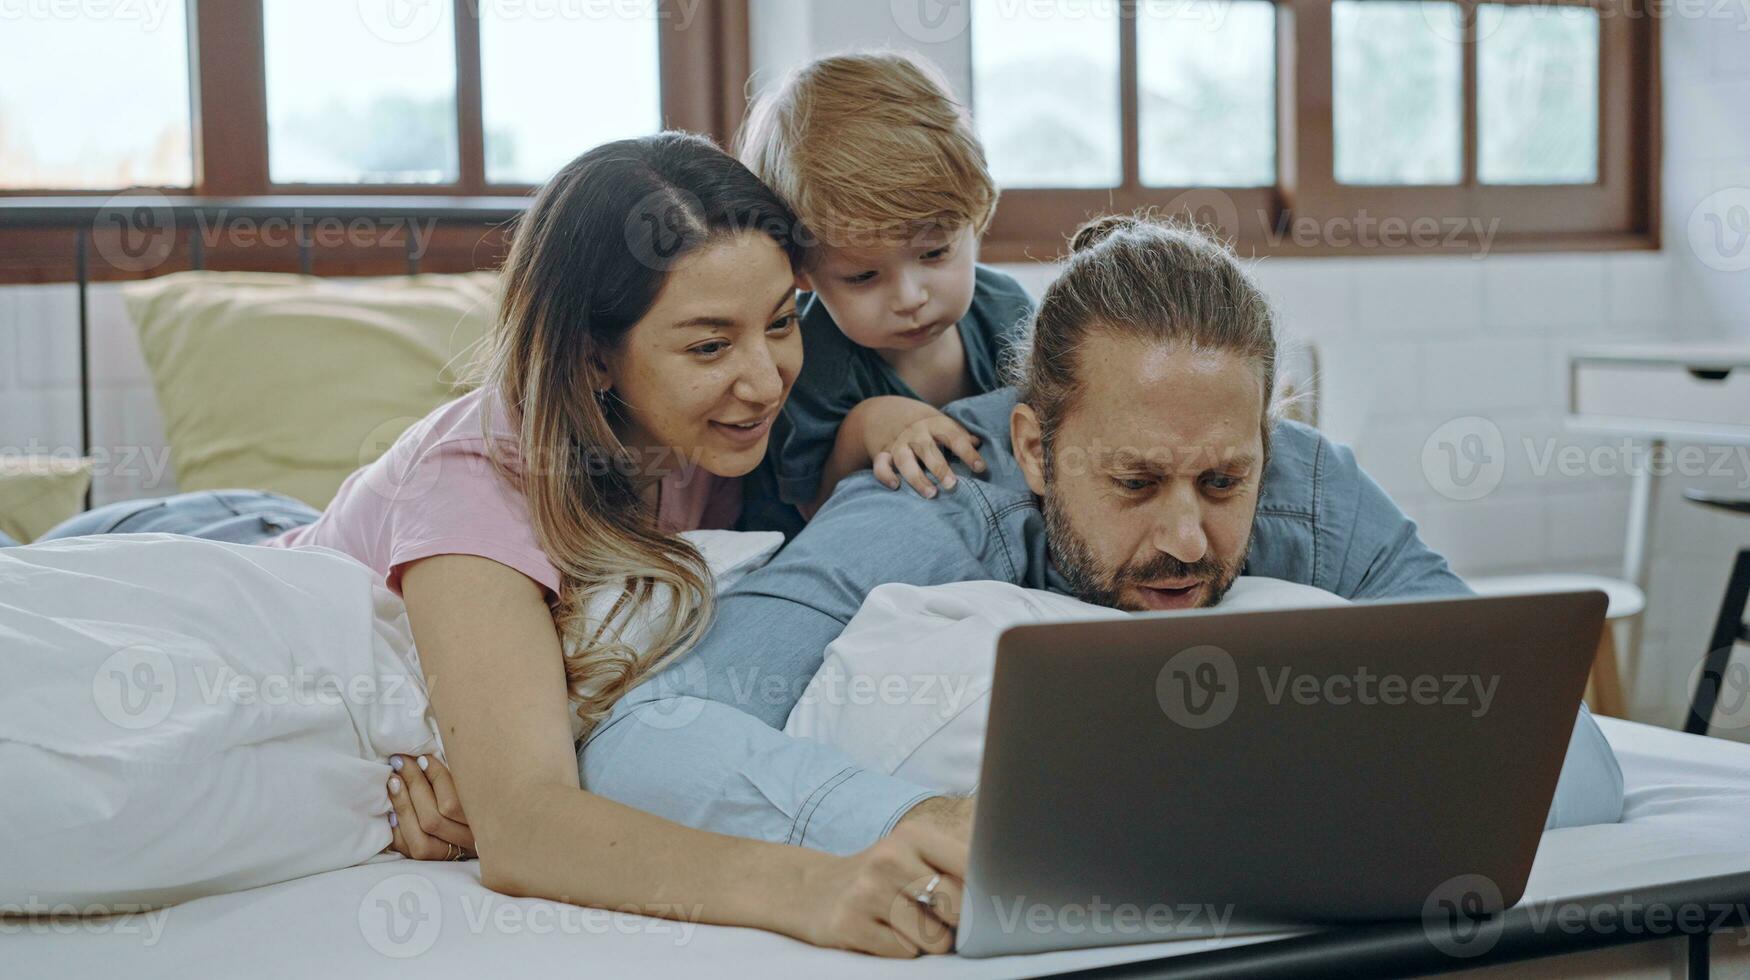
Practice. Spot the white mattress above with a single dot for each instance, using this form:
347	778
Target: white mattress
1688	816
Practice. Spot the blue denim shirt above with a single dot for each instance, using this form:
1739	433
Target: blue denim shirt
701	742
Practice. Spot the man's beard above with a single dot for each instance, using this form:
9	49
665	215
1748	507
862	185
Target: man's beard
1091	580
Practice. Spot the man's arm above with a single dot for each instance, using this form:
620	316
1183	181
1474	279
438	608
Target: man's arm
701	741
1380	553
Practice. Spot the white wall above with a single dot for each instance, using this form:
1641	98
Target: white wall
1407	345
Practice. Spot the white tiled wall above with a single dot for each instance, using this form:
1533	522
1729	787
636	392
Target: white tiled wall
1407	344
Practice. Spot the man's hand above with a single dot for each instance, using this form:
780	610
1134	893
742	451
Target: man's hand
950	813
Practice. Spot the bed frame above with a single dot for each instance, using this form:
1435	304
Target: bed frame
154	215
1401	949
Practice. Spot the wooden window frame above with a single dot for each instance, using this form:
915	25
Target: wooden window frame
704	67
704	70
1308	212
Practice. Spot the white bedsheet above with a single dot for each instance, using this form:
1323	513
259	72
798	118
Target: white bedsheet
1687	816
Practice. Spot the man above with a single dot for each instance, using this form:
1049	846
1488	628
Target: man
1137	467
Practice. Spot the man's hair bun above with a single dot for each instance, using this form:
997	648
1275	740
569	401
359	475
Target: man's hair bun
1097	230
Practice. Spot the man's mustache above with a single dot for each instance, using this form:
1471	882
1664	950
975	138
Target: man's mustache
1205	569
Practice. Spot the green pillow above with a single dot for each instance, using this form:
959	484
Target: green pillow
290	383
38	492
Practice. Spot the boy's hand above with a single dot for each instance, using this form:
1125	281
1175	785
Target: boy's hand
917	450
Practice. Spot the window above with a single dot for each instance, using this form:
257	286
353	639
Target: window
354	102
1047	94
1322	126
116	115
1406	130
1537	91
1206	94
544	79
1296	126
328	97
388	118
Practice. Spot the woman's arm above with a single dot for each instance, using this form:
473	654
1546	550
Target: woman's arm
493	665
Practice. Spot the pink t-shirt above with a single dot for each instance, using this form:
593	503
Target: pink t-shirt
436	493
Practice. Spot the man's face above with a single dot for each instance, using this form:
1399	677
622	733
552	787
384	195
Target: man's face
1153	478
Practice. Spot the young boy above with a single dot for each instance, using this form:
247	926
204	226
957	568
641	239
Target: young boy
884	170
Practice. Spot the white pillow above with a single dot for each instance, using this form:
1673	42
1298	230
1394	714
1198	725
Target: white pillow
905	689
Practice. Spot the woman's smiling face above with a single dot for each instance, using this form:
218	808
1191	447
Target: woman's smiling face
706	370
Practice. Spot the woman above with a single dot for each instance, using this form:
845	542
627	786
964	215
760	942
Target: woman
646	340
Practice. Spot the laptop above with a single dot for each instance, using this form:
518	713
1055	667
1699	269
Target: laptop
1211	774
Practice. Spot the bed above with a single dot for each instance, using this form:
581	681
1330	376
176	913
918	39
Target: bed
1685	841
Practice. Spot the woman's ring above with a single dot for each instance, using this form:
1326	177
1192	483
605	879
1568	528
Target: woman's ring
927	897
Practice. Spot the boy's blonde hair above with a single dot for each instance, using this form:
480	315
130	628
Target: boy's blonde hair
870	150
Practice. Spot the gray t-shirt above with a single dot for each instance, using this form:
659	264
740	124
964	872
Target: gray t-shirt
837	374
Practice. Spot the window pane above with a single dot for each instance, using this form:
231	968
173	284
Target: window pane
90	101
1537	82
360	91
540	68
1207	107
1045	91
1397	92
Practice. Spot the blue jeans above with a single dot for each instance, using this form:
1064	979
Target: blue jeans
237	516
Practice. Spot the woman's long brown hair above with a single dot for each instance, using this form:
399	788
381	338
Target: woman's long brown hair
587	262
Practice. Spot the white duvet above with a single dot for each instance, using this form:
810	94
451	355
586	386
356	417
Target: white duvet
182	718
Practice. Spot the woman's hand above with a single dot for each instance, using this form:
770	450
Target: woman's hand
867	902
427	817
917	449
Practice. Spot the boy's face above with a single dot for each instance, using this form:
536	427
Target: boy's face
897	297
